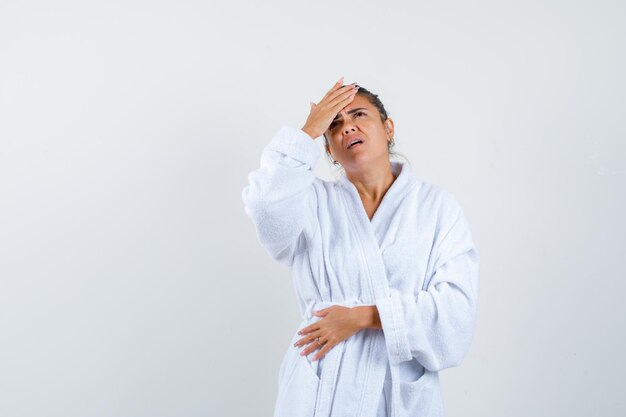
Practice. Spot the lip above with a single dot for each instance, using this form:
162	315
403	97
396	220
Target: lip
352	139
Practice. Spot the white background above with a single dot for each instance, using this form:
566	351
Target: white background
131	280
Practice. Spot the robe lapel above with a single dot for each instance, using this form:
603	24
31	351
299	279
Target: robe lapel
369	235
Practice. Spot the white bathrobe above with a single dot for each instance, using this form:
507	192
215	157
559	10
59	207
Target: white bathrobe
415	260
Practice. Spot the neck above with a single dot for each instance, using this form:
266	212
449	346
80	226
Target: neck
373	183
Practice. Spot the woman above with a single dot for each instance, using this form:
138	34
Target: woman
384	266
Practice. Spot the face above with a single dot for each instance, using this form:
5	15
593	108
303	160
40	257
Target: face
359	120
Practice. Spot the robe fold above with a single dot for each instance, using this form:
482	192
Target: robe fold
414	260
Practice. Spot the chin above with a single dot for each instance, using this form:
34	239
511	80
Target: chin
360	161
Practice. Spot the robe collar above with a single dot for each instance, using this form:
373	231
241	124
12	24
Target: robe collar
404	181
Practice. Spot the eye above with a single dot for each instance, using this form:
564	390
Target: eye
359	113
332	125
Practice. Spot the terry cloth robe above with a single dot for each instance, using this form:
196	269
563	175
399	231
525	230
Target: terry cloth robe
415	260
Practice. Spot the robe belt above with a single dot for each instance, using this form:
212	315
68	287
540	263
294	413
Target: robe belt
319	305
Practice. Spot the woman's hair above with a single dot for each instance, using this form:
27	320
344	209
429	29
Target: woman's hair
375	101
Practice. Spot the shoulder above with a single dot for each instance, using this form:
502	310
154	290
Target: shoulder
438	199
442	210
326	192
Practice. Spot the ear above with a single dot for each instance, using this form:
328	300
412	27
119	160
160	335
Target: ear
389	127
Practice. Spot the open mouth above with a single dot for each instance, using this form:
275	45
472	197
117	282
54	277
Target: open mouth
357	142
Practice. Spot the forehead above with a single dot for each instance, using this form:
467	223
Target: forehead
357	102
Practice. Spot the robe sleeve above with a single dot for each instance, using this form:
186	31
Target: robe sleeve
280	197
436	326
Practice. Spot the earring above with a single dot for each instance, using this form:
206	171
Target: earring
335	162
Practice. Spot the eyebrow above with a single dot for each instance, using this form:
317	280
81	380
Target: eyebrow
350	112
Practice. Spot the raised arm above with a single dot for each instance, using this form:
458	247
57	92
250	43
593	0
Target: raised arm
436	326
280	197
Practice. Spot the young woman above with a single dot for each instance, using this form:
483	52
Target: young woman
384	266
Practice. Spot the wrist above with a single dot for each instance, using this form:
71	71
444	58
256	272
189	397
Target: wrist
367	317
309	132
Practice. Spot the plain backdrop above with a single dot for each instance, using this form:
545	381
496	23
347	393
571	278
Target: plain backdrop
132	282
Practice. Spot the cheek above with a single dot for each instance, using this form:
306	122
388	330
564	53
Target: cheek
336	143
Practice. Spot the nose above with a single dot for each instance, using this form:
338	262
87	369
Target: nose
348	126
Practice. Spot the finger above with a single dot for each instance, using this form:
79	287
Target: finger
335	86
303	341
346	89
308	329
320	312
335	90
342	102
307	339
327	346
342	95
313	345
